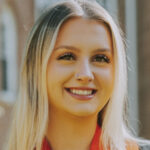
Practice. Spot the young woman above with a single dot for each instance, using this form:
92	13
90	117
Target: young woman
73	83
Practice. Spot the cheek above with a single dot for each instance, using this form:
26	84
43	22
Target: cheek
105	78
58	75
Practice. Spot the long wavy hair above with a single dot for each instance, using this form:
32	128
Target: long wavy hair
31	111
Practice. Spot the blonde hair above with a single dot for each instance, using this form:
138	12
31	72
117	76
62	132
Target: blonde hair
31	110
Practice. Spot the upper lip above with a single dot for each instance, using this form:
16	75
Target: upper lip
82	88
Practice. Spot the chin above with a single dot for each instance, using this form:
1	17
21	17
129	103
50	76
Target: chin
84	112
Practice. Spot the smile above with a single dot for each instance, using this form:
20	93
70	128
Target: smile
82	93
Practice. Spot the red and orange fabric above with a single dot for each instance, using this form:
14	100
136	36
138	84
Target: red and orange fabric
95	142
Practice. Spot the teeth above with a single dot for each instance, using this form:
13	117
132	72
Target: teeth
81	92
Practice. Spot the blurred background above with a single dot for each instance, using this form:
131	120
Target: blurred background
16	20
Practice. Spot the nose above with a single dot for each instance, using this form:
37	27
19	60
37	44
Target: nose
84	73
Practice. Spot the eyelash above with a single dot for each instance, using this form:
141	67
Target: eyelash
69	56
102	57
65	57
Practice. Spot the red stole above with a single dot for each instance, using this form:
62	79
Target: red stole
94	144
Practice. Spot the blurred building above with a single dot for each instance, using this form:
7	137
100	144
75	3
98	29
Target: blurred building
16	20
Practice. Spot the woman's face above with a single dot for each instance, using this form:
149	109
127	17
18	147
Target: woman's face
80	70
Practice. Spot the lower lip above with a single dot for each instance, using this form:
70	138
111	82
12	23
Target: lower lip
81	97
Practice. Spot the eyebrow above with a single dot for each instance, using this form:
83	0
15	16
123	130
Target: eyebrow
77	49
102	50
67	47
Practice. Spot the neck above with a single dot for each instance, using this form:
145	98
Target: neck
67	132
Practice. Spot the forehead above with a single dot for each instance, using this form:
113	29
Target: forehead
79	30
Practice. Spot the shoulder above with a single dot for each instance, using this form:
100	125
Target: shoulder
132	145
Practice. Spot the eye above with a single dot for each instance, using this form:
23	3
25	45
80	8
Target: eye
66	56
101	58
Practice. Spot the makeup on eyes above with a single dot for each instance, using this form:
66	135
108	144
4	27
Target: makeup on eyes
68	54
99	58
